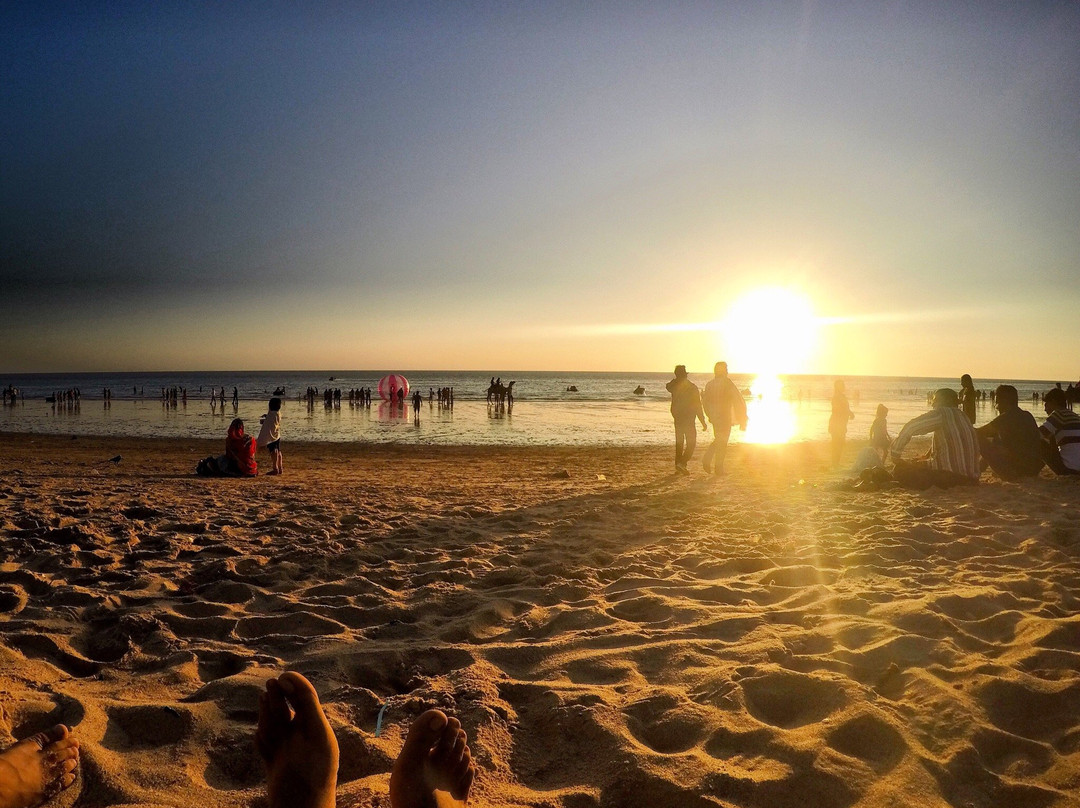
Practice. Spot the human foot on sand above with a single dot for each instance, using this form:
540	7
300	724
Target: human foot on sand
38	768
295	740
434	769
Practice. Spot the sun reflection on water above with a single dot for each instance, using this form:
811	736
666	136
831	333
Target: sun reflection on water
770	417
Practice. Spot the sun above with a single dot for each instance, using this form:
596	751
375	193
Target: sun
768	331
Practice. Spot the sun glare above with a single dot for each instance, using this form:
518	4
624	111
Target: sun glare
769	416
769	331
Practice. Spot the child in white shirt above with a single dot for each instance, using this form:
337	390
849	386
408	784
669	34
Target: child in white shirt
270	434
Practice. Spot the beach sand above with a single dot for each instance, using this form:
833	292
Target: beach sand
609	634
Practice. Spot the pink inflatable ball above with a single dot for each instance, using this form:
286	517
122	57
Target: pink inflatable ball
390	385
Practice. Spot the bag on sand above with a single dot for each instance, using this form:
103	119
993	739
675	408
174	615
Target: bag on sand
209	467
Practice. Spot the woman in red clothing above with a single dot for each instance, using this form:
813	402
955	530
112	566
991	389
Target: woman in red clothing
240	451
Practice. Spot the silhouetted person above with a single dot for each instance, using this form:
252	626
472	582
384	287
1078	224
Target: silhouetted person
838	421
879	433
1061	434
685	407
724	405
1011	444
968	397
954	448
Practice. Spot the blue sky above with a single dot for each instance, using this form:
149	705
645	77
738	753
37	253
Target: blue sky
539	186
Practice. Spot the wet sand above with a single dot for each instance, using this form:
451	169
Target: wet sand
610	634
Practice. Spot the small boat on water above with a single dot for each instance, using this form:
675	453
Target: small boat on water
571	389
639	390
279	391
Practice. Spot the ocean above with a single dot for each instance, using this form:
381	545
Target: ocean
604	410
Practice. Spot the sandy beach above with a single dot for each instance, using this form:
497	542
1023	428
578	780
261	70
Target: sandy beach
610	634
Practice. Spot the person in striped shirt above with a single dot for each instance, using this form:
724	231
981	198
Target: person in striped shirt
1061	433
954	448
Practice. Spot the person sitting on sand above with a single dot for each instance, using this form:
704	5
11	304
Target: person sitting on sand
954	449
34	770
295	740
685	407
1011	444
1061	433
240	451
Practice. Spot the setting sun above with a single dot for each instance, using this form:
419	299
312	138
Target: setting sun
770	330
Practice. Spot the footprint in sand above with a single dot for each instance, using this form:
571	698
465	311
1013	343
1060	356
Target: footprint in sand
145	726
788	700
1011	755
870	738
666	724
297	624
234	764
41	646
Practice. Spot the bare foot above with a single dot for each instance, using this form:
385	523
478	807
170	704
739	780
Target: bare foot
295	740
38	768
434	769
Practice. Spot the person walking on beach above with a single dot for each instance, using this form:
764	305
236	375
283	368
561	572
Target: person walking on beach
954	448
968	397
838	421
724	405
270	434
1011	444
685	407
1061	433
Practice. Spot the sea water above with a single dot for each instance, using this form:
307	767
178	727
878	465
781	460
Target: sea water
604	409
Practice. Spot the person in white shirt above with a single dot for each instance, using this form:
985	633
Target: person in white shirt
270	434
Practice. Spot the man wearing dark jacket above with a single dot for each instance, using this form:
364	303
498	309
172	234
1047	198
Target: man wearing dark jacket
1011	443
685	407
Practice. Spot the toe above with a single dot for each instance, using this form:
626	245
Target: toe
50	736
303	698
461	790
274	717
447	738
424	733
463	765
458	751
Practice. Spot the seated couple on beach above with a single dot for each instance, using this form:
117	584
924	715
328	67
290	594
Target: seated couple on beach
433	770
1012	445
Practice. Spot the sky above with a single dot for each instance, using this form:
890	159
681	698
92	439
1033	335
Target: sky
842	188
